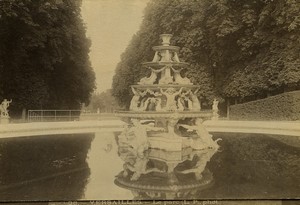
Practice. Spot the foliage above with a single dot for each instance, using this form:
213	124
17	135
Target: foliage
236	48
44	60
285	106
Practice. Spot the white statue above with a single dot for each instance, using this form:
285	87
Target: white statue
178	79
215	109
215	105
3	107
171	94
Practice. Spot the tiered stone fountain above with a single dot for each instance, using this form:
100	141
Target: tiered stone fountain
165	148
165	111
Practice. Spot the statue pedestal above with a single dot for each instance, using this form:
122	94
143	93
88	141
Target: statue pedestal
4	119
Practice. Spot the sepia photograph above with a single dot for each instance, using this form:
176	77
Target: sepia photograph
165	102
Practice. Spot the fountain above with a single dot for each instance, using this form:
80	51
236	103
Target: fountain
165	112
160	174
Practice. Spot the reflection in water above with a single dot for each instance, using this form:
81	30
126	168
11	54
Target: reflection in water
105	164
72	167
160	174
43	167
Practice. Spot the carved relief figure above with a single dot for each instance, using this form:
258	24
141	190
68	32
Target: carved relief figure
178	79
138	168
170	94
138	132
180	104
175	57
204	136
166	77
158	104
152	78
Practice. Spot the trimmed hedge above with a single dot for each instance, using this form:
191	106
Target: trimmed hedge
285	106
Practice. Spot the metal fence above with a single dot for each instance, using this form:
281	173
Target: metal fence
53	115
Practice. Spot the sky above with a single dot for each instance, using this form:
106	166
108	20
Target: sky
110	26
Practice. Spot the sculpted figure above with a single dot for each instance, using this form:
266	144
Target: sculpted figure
3	107
194	104
215	109
151	104
135	103
175	57
138	168
205	139
158	104
180	104
203	159
185	98
215	105
178	79
138	133
166	77
170	94
152	78
156	57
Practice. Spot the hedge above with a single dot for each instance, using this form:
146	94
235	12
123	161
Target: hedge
284	106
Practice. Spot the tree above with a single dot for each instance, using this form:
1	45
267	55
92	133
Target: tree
44	61
237	48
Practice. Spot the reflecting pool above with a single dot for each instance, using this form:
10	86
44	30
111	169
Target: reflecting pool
100	167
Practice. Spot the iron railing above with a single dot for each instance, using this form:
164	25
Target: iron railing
53	115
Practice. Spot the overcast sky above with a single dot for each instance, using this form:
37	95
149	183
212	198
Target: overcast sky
110	25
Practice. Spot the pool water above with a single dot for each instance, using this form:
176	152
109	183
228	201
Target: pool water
93	167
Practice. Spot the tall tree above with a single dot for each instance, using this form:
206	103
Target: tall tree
44	60
236	48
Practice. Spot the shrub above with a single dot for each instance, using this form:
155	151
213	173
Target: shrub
285	106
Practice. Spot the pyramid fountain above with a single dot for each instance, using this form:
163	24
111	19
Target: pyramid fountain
165	112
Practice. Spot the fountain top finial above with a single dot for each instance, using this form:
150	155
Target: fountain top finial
166	39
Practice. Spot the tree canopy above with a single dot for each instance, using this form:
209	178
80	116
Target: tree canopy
44	61
236	48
